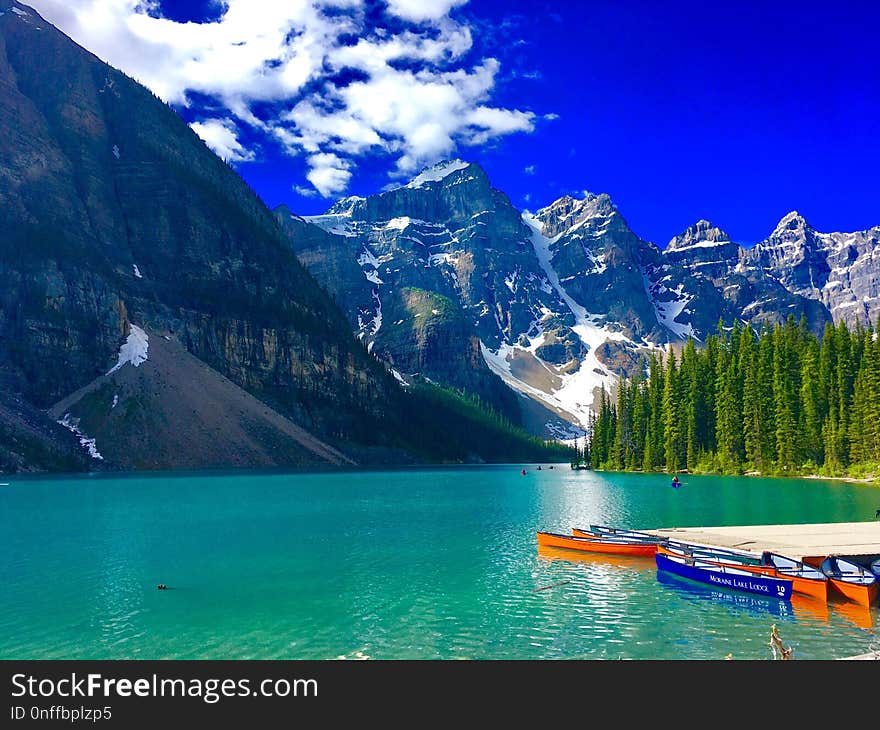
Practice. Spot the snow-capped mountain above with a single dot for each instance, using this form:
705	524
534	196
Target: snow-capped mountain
841	270
444	278
714	280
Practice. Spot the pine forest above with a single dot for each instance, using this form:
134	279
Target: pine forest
779	401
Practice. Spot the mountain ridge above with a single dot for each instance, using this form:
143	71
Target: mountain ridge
568	298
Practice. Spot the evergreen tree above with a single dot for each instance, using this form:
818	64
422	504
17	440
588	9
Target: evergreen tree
784	400
689	387
753	422
728	413
672	426
655	439
810	412
843	387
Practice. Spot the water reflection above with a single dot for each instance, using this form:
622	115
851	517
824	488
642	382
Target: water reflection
619	562
581	497
608	573
690	590
861	616
808	608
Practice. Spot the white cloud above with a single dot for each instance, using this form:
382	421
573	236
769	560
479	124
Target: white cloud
328	173
409	95
221	135
529	170
420	10
227	58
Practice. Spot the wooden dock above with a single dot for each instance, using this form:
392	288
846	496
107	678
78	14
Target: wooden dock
810	543
857	540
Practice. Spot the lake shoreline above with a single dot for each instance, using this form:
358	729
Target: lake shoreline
855	480
873	480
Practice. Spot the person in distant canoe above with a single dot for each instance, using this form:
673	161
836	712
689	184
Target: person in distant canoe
675	482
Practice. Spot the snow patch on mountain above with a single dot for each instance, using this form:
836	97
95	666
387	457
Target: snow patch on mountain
700	244
668	304
134	350
368	329
398	224
369	262
575	392
72	425
399	377
437	172
377	320
510	281
339	224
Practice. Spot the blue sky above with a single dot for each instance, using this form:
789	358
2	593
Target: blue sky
736	112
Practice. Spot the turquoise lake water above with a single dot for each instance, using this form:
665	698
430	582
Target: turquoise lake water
417	564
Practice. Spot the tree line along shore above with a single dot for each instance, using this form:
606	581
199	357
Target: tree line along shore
779	401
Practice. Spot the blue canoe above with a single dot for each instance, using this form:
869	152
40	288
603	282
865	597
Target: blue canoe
725	576
691	590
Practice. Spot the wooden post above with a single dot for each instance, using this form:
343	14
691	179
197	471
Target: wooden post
779	650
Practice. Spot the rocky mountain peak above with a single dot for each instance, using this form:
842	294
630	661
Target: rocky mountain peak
790	222
701	233
345	206
452	190
567	212
439	172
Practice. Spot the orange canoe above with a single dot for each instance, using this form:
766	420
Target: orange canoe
614	546
851	580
